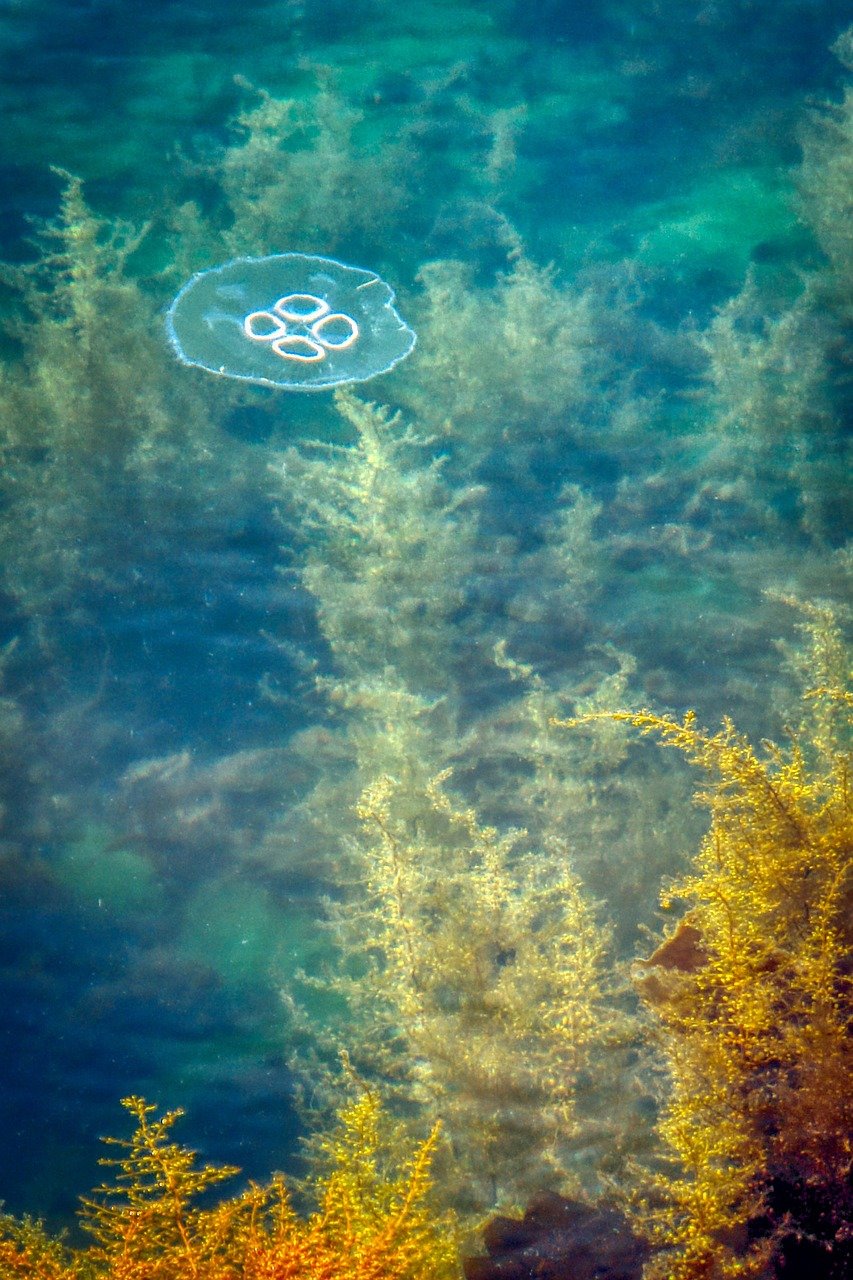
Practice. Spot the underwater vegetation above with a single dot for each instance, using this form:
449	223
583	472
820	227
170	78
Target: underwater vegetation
99	442
277	193
824	193
750	997
473	979
381	816
154	1221
478	996
466	962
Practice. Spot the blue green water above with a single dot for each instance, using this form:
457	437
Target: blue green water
619	232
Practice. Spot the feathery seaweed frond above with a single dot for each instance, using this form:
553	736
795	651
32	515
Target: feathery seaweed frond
755	1012
145	1222
473	967
372	1219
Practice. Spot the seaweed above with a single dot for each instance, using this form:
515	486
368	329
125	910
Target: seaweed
388	542
513	366
473	977
156	1220
295	174
751	998
100	437
825	183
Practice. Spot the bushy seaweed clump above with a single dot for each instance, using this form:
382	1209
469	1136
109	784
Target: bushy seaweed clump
467	963
826	183
776	355
104	450
469	957
155	1222
316	192
751	999
474	971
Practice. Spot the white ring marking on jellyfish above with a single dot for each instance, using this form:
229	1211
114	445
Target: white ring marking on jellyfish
278	330
310	352
288	307
332	317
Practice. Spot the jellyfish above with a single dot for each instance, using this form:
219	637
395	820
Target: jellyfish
289	320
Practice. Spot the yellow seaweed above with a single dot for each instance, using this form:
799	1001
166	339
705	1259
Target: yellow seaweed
753	1007
371	1222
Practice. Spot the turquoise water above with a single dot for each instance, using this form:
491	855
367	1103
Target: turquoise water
619	232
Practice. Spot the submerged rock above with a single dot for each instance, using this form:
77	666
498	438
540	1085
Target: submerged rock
559	1239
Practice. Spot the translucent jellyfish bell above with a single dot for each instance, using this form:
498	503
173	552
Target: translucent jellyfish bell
290	320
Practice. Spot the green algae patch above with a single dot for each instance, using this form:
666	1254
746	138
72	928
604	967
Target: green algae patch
235	929
722	224
98	873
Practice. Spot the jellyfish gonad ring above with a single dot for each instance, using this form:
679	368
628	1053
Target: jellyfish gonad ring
298	346
307	341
